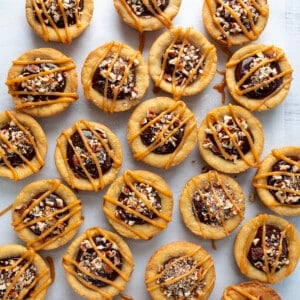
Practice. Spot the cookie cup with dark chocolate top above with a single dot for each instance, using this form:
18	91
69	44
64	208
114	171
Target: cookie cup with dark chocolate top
138	204
189	58
88	155
18	163
258	76
37	273
280	248
217	139
180	267
249	289
155	19
231	37
46	214
107	275
49	30
162	132
277	181
212	205
115	77
48	79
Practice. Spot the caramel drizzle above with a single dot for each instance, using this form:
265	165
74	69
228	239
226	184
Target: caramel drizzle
213	176
180	108
40	241
213	118
129	178
220	87
40	279
64	97
177	91
152	281
283	74
252	34
288	230
65	36
96	185
14	149
110	104
257	179
70	265
5	210
240	291
156	12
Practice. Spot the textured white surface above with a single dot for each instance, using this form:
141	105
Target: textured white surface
281	126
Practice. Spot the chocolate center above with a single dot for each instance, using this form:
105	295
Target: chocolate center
83	155
20	141
89	260
261	75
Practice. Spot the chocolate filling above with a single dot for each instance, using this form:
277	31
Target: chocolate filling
56	15
89	260
8	274
22	143
141	10
109	78
44	209
131	200
283	182
270	247
103	157
52	82
149	135
264	73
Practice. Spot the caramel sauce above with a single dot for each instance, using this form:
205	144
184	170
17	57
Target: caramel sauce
213	118
213	177
180	108
30	137
156	12
238	291
289	230
257	179
220	87
70	265
252	34
39	242
39	279
177	91
129	178
114	49
5	210
64	36
64	97
283	74
79	126
152	281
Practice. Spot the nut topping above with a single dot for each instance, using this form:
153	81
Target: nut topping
141	10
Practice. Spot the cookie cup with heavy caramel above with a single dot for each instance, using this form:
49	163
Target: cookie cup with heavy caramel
277	181
46	214
115	94
231	38
49	30
138	204
192	79
155	19
24	260
42	68
212	205
249	290
99	143
280	248
162	132
217	152
268	81
93	282
14	163
180	267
